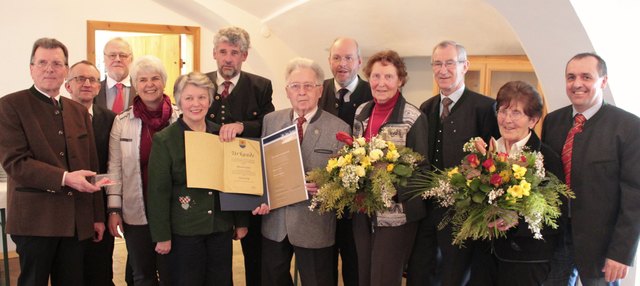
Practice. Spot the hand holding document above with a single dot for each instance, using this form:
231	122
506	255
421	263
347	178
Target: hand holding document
243	168
230	167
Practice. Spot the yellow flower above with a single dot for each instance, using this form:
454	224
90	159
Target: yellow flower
505	175
452	172
526	187
344	160
518	171
359	151
391	146
390	167
365	162
361	141
469	182
521	190
375	155
331	164
360	171
393	155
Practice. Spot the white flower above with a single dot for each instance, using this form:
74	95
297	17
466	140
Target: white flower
535	225
443	193
494	194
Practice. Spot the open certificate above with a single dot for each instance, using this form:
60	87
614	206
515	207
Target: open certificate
284	172
230	167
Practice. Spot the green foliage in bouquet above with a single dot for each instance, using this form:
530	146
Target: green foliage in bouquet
489	185
364	176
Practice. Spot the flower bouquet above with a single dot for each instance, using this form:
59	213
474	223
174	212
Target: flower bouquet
488	186
364	176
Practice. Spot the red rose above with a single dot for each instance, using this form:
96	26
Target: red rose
488	164
473	160
345	138
523	159
496	180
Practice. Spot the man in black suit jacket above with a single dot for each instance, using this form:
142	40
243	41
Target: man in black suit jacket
603	170
83	84
241	102
434	260
117	58
341	96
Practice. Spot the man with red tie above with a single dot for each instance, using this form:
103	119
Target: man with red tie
599	146
241	102
116	92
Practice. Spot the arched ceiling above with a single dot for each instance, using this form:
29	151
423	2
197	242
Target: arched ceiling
411	27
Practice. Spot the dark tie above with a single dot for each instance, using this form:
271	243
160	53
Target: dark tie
342	109
445	110
118	102
567	149
225	92
55	102
301	120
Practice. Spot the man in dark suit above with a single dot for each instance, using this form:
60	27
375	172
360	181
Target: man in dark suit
241	102
116	91
341	95
467	114
47	149
599	146
83	84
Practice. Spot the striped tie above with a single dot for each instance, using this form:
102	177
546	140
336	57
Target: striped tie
567	149
445	111
301	120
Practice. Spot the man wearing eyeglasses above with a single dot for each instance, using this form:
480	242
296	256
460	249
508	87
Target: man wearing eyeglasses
295	229
47	149
341	96
83	84
455	115
241	102
116	92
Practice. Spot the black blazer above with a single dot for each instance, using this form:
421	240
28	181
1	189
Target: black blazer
360	95
249	102
102	121
605	179
519	245
474	115
101	98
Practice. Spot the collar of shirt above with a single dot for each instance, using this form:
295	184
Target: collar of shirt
220	80
307	116
515	148
57	97
351	87
455	96
111	82
589	112
91	110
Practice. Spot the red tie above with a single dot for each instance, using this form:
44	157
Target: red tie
118	102
567	149
301	120
225	92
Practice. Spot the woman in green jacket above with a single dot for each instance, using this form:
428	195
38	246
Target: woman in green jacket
187	223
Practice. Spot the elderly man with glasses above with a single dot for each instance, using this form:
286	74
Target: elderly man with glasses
116	92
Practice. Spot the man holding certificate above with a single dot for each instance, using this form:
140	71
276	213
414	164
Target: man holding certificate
294	228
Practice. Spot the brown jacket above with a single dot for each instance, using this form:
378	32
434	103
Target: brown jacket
38	144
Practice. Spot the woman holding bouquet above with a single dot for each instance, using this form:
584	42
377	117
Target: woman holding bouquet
384	244
518	258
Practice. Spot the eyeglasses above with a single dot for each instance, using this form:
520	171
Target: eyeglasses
82	79
298	86
514	114
338	59
56	65
113	56
447	64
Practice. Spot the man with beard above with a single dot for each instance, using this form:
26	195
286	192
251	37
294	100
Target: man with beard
116	92
241	102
